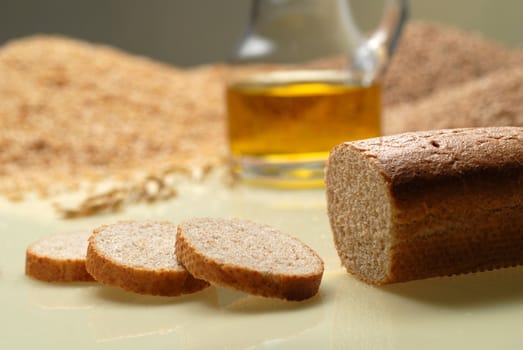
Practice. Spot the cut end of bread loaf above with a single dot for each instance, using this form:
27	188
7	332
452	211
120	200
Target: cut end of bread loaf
59	258
357	193
139	257
250	257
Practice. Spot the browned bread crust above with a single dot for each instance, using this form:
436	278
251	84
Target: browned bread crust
166	279
425	204
58	259
269	279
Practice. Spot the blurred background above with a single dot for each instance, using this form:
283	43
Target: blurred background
187	33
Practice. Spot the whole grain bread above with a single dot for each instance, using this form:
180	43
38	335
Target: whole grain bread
425	204
138	257
250	257
58	258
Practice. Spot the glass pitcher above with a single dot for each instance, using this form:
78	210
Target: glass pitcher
304	78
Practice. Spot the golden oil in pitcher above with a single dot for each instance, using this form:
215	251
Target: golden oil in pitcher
282	127
305	78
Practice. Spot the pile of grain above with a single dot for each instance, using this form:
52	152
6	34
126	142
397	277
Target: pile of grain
494	100
442	77
71	111
432	57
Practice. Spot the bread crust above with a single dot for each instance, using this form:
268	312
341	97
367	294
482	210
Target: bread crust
162	282
50	266
294	287
48	269
455	196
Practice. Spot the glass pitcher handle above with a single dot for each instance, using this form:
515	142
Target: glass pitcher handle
373	52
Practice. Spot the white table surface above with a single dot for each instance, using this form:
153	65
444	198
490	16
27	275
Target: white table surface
476	311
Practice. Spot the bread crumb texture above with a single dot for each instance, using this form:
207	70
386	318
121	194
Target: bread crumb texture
255	246
248	256
59	258
146	245
64	246
139	256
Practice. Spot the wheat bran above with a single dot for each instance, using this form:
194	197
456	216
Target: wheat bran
494	100
432	57
72	111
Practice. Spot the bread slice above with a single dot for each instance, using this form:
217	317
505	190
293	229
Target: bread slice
249	257
138	256
58	258
425	204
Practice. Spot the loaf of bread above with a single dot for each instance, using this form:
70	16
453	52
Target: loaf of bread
424	204
250	257
58	258
138	256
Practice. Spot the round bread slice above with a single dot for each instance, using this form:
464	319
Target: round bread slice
250	257
59	258
138	257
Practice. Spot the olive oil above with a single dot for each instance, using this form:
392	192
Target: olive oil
273	125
